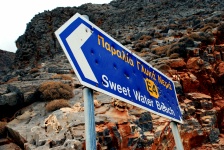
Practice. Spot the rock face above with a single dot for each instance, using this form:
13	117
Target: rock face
6	60
182	39
126	21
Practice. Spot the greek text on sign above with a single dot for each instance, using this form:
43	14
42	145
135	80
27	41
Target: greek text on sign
103	64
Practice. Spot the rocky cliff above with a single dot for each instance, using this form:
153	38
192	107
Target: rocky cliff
41	105
6	60
126	21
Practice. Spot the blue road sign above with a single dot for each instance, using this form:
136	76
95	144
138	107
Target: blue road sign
103	64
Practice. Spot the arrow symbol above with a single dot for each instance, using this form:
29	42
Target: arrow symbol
75	40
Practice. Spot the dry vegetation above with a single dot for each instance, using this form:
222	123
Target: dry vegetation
72	71
160	50
174	56
203	37
34	70
57	104
145	38
2	128
206	29
62	76
55	90
12	80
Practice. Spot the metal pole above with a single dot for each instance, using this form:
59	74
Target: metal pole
89	116
89	119
176	136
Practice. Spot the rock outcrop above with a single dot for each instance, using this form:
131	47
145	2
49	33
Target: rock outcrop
182	39
6	60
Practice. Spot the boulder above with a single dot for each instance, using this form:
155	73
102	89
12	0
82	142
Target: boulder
194	63
220	69
36	127
189	82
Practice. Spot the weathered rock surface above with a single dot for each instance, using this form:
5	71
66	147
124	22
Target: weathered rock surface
6	60
183	39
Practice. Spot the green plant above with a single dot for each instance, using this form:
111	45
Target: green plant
57	104
55	90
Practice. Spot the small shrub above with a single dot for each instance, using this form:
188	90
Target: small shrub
72	71
179	48
174	56
221	29
189	30
2	128
12	80
187	41
145	38
57	104
195	36
206	28
55	90
62	76
173	26
203	37
160	50
213	25
158	35
34	70
39	66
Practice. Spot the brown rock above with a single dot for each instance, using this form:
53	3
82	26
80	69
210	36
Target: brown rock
97	104
198	96
189	82
220	69
219	103
10	146
177	63
116	115
121	106
194	63
206	104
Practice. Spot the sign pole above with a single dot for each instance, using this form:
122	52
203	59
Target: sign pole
89	116
176	135
89	119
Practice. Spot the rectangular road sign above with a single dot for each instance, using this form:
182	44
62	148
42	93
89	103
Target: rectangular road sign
103	64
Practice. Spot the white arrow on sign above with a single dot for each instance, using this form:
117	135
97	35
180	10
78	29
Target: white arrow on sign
75	41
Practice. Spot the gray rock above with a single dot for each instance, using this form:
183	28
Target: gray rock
214	135
198	96
178	87
12	96
206	104
10	146
9	98
126	21
72	144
